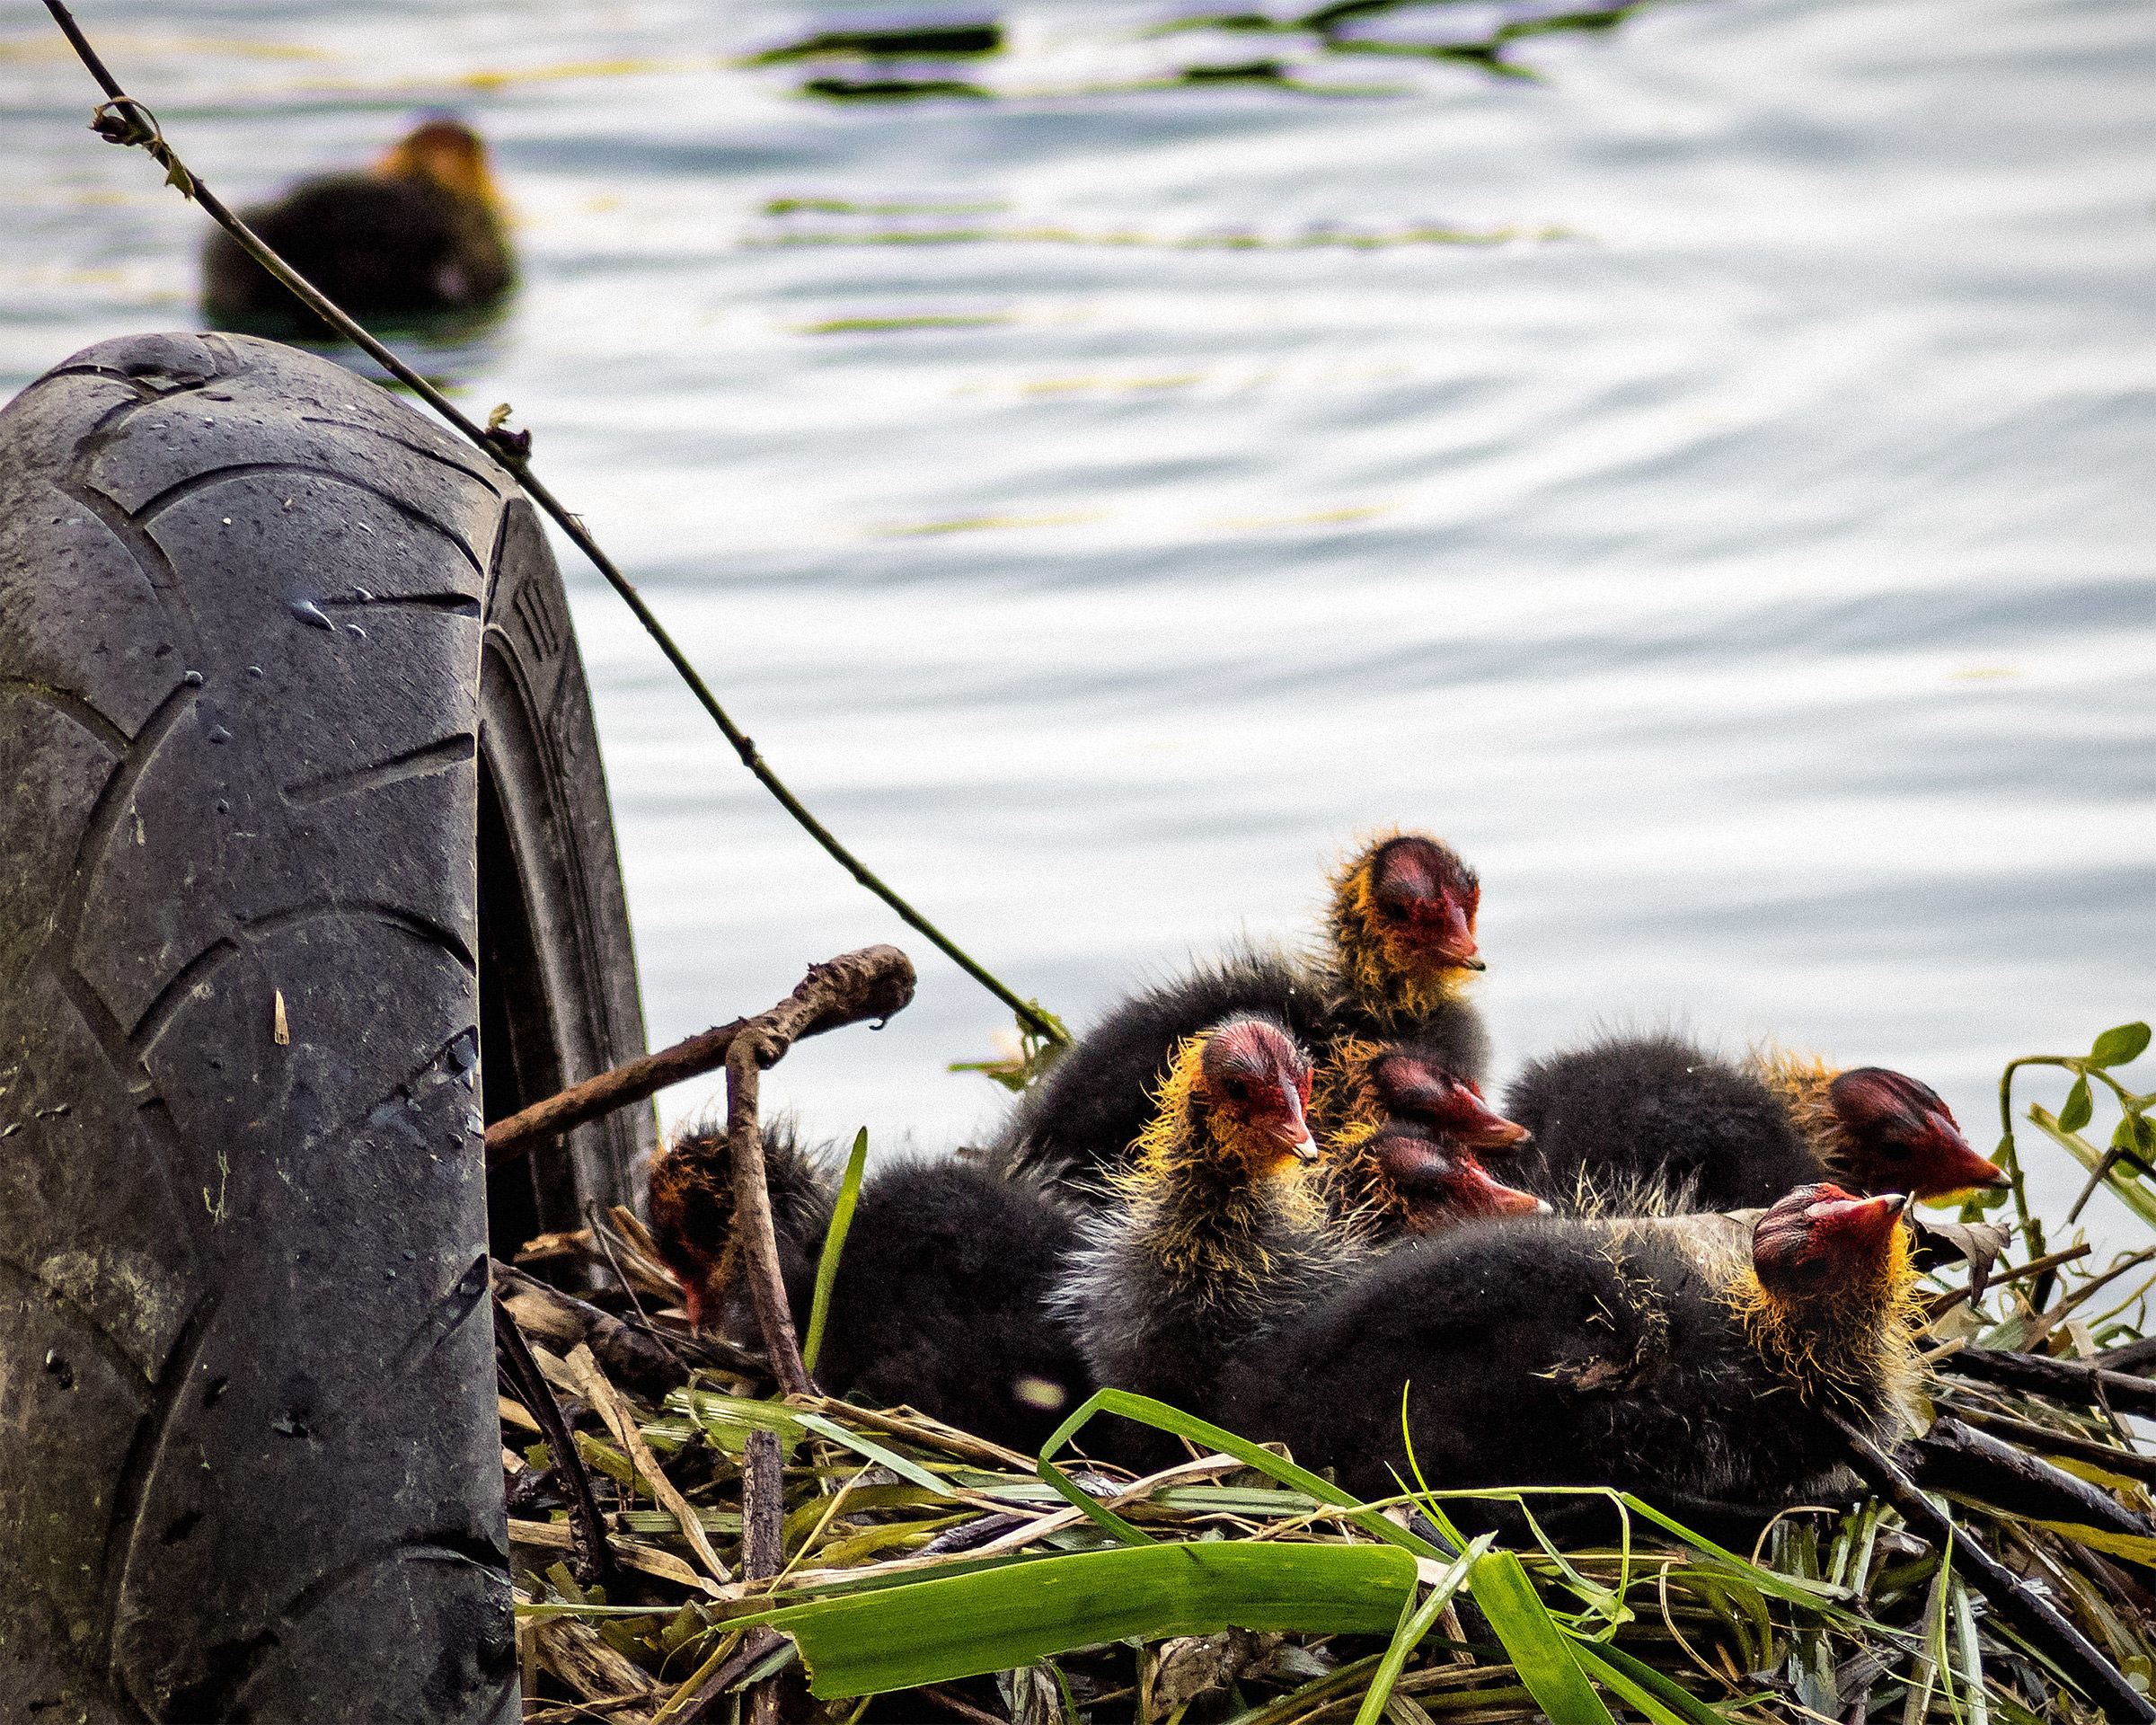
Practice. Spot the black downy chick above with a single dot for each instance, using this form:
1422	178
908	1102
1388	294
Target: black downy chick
420	232
1664	1360
939	1302
1399	950
1657	1114
1222	1234
942	1302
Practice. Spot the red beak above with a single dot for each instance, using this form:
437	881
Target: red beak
1858	1225
1480	1127
1456	946
1291	1129
1482	1196
1944	1161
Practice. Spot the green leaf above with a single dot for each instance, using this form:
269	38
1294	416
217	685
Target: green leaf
834	1243
2075	1115
2134	1138
2132	1194
941	1630
1534	1644
2119	1044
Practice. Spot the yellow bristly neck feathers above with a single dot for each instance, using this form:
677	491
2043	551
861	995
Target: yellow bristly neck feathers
1348	1116
1342	1097
1205	1189
1859	1340
1384	976
1799	1083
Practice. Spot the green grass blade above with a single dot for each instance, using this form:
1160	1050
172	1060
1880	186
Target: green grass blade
1927	1670
1635	1695
1972	1657
875	1452
1164	1418
708	1409
1643	1688
1414	1629
835	1244
941	1628
1818	1595
1534	1644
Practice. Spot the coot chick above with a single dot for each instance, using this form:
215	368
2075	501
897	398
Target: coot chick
1399	948
939	1302
1874	1130
1404	1142
1222	1234
420	232
1564	1352
942	1302
691	1203
1634	1112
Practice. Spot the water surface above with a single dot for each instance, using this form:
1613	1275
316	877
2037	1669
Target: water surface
1709	483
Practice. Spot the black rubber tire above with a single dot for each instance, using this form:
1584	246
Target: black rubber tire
297	755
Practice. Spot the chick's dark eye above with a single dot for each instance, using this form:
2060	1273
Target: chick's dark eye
1811	1269
1894	1152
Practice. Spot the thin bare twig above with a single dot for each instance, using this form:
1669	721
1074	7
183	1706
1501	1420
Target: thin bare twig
2065	1308
2064	1380
602	1236
1946	1302
951	1703
640	1357
763	1551
874	982
751	1216
2031	1435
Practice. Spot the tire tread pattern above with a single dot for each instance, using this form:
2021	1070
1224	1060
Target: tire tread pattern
243	1340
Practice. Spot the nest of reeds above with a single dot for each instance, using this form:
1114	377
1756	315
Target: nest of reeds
708	1551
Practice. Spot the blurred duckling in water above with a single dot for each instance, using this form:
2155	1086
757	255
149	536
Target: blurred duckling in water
1644	1111
420	232
1222	1231
1404	1142
939	1302
1680	1362
1399	950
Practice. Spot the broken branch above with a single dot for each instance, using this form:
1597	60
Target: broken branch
874	982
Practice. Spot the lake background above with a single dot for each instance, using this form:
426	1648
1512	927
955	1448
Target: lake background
1103	495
